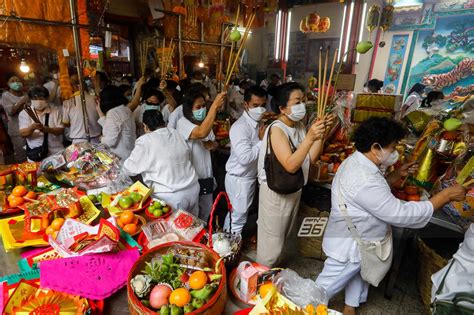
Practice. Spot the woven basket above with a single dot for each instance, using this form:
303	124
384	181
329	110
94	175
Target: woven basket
311	247
430	262
214	306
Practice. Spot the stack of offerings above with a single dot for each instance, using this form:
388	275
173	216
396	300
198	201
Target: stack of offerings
369	105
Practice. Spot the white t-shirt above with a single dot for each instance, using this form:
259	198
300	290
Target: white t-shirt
201	157
412	103
8	101
297	135
118	130
163	158
73	115
55	143
175	116
166	112
49	86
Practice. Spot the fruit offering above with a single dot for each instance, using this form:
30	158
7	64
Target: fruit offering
158	208
129	222
54	227
168	287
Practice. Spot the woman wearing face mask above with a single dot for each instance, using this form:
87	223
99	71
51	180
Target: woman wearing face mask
413	100
163	159
295	148
152	100
116	119
245	139
13	102
51	125
370	208
196	128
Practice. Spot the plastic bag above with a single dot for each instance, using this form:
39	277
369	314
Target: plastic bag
299	290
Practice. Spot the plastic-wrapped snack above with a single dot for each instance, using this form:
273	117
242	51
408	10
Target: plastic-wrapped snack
53	163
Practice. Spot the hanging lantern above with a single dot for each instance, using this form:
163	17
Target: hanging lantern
373	18
387	17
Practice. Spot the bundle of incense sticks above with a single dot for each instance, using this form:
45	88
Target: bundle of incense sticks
323	88
31	112
242	45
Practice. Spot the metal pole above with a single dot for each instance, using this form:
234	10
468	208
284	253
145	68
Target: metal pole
14	18
77	48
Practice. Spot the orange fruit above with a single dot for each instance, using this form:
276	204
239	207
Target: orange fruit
120	223
264	289
321	309
127	217
310	309
11	198
180	297
50	230
15	201
30	195
57	223
197	280
130	228
19	191
55	234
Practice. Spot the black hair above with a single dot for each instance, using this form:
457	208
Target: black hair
197	87
153	119
171	85
243	83
148	72
254	90
153	92
188	103
198	73
128	78
153	83
38	91
432	96
275	75
124	88
110	97
417	87
374	85
381	130
184	84
178	96
281	95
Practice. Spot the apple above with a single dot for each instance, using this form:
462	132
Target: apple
235	35
125	202
136	197
157	213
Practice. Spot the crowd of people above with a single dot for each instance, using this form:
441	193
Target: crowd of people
163	131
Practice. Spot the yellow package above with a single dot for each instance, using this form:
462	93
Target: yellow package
14	235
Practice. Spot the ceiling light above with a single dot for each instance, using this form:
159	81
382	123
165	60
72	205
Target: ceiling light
24	66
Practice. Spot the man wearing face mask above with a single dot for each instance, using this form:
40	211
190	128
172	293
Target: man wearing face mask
13	102
53	86
47	134
364	208
245	139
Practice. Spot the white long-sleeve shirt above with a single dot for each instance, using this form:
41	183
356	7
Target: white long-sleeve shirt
412	103
119	131
176	115
163	159
245	147
371	206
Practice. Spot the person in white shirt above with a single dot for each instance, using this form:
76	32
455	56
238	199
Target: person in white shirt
177	114
295	148
73	115
362	187
245	140
173	95
13	102
236	99
51	124
414	99
52	85
152	100
163	158
196	128
116	119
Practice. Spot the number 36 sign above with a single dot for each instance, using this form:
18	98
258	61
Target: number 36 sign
313	227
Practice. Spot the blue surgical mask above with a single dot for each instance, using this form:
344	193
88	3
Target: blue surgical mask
147	106
129	98
200	114
15	86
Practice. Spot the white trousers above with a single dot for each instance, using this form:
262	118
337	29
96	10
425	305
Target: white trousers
187	200
241	191
338	275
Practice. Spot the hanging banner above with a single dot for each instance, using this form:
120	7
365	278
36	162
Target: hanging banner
395	63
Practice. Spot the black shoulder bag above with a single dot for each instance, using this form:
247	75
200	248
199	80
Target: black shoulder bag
278	179
39	153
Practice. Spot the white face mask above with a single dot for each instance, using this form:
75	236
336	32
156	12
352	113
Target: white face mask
298	112
387	158
256	113
39	104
